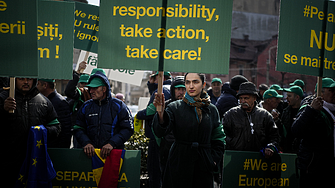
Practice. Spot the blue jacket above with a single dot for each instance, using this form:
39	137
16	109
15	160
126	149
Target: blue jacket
102	122
226	101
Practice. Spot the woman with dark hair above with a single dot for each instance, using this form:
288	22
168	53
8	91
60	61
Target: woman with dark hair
199	137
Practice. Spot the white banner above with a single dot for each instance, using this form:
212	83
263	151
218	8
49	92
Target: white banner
122	75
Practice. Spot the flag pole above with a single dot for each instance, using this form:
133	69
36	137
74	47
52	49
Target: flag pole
12	90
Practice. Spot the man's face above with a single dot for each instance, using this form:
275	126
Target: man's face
98	93
24	84
247	102
179	92
194	85
216	87
329	95
41	86
292	99
273	102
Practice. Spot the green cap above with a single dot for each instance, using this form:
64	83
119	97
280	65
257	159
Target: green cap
84	78
165	74
295	89
96	82
271	93
326	82
181	85
298	83
98	69
276	87
47	80
217	80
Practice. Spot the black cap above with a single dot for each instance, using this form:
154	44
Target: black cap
236	81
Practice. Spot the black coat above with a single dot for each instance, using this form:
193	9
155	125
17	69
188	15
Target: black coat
197	146
226	101
238	130
62	108
32	109
316	150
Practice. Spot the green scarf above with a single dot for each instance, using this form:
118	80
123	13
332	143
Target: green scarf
198	103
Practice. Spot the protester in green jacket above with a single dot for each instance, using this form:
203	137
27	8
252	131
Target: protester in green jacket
199	137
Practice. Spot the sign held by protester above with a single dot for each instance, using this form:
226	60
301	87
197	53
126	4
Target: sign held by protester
18	36
301	37
86	31
129	76
74	169
251	169
196	35
55	37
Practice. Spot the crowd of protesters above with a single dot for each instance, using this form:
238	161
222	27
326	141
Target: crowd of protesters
189	135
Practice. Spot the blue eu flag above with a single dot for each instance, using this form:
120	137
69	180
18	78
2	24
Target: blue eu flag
37	169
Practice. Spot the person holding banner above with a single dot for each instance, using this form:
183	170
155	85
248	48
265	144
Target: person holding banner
31	108
178	91
154	170
248	127
102	122
199	136
315	126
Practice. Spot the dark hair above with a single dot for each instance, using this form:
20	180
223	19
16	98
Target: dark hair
50	85
202	77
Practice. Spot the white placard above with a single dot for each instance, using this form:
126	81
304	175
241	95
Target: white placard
122	75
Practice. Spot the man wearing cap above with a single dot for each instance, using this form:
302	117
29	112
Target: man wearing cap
30	109
301	84
315	127
248	127
228	98
271	102
282	104
47	88
215	90
288	143
102	122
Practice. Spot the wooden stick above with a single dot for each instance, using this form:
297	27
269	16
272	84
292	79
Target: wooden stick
319	88
160	77
12	90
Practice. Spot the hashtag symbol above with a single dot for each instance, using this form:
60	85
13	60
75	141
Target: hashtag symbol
306	10
246	164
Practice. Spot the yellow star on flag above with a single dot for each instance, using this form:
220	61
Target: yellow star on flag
35	162
21	177
37	127
39	144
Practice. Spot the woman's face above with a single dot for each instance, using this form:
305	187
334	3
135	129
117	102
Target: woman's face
194	85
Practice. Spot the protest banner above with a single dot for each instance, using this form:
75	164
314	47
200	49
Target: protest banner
55	36
306	37
74	169
18	36
86	31
196	35
130	76
251	169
